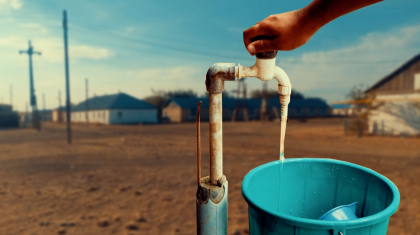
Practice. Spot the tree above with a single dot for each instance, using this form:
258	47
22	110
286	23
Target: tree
362	108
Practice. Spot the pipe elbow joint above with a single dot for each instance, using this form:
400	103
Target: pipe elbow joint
217	75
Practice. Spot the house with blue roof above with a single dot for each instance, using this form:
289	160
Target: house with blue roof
119	108
184	109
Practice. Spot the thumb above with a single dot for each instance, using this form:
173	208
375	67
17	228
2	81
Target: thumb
261	46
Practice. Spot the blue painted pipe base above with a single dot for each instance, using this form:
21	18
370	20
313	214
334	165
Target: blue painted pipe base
212	207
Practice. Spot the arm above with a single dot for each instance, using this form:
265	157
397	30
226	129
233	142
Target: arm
290	30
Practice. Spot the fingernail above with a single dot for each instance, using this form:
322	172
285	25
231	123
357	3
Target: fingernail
251	49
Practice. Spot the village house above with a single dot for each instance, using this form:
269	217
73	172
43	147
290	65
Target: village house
59	114
8	118
185	109
118	108
398	101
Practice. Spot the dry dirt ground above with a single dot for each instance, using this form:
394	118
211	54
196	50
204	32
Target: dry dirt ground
141	179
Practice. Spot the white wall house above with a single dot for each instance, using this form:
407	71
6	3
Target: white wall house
398	111
114	109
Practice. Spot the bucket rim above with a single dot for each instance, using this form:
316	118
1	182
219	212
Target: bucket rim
314	223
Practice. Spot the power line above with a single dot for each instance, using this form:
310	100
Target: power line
207	54
153	44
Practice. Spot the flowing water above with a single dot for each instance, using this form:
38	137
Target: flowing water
280	179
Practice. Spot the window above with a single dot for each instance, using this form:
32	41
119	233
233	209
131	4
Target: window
193	112
417	81
119	114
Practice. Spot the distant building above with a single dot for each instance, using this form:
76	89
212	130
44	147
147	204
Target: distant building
58	114
115	109
45	115
301	108
185	109
397	116
342	109
8	118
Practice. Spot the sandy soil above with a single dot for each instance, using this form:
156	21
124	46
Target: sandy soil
141	179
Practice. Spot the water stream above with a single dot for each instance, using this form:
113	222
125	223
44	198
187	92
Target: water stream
280	179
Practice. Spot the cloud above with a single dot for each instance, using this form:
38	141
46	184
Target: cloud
10	4
164	74
52	48
332	73
33	26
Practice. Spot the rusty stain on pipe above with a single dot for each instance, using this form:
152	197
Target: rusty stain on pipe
198	143
216	138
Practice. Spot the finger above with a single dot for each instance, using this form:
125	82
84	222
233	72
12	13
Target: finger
261	46
250	33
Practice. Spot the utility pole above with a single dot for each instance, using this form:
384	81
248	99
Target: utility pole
35	117
87	102
66	58
238	103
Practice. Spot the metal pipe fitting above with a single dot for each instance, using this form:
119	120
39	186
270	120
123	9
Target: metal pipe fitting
211	207
217	75
265	70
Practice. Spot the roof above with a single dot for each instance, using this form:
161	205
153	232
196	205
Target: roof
190	102
395	73
340	106
5	108
300	103
61	108
115	101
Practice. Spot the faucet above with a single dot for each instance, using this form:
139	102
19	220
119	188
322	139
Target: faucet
212	193
265	69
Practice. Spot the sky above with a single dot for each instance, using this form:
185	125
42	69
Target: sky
139	47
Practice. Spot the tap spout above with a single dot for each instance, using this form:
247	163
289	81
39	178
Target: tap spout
265	69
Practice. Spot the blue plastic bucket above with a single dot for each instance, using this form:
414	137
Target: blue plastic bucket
311	187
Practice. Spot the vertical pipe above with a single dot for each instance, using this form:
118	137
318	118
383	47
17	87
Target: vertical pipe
216	141
198	143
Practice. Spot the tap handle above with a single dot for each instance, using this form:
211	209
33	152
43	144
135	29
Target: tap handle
265	54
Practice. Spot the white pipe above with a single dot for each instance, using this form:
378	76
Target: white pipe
216	137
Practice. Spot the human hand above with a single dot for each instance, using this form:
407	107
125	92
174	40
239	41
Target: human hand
284	32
